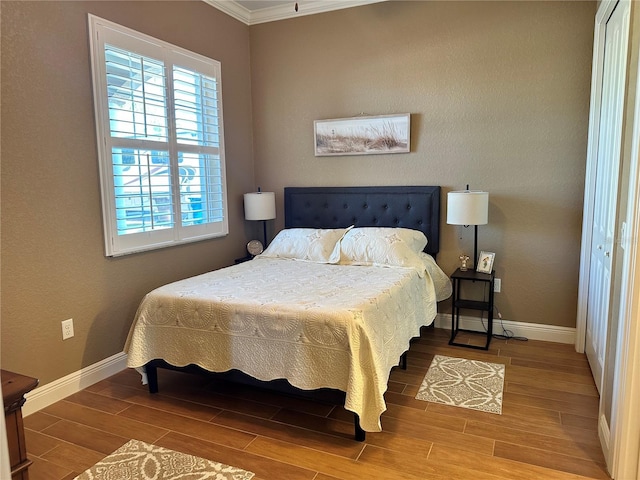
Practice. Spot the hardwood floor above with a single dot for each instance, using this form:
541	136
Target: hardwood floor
548	428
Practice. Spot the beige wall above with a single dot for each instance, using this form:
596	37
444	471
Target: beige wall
499	97
53	263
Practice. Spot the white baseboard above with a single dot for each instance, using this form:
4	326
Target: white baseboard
532	331
45	395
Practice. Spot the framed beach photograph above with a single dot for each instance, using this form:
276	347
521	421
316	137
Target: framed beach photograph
364	135
485	262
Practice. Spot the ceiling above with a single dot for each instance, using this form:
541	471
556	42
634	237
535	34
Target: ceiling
253	5
253	12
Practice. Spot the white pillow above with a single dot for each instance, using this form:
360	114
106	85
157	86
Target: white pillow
308	244
415	239
367	246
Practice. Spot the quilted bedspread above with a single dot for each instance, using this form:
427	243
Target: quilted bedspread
316	325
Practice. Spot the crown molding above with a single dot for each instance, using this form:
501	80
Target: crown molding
232	9
282	12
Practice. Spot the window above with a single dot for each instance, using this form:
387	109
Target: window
160	141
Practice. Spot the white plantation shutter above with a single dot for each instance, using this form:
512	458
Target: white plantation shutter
136	89
160	141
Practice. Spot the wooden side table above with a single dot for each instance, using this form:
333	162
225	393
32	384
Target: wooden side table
466	304
14	388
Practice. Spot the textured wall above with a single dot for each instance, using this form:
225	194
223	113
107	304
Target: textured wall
53	263
499	97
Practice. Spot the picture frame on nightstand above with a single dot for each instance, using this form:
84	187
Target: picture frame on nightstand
485	262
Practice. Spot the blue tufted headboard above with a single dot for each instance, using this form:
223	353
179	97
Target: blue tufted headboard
338	207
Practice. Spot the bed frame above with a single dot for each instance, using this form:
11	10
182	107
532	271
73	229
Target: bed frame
415	207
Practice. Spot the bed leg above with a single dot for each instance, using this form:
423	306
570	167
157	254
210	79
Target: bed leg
403	361
360	433
152	377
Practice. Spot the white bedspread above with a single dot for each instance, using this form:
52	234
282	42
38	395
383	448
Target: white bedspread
317	325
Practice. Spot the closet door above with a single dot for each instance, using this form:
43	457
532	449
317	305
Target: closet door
606	187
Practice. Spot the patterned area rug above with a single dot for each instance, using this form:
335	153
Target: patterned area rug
137	460
464	383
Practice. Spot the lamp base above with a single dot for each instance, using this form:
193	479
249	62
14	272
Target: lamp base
264	227
475	246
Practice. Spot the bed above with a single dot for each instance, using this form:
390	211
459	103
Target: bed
319	308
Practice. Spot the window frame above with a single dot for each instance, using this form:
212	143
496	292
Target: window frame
102	32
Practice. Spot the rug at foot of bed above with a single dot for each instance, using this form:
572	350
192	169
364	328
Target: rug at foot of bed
142	461
464	383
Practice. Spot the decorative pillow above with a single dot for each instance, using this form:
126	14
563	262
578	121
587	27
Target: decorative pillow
368	246
308	244
415	239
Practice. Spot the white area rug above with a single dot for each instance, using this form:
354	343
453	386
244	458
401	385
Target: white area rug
464	383
137	460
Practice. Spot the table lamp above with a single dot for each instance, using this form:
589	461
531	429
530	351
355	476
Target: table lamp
467	207
260	206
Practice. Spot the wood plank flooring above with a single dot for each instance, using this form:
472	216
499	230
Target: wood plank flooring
548	428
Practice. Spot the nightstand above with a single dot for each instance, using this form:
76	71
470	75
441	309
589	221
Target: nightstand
244	259
458	304
14	388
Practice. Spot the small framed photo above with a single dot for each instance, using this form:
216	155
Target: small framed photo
485	262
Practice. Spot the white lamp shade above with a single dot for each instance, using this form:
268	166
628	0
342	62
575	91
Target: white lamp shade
467	208
260	206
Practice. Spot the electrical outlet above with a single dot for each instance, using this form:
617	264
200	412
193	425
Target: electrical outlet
497	285
67	328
